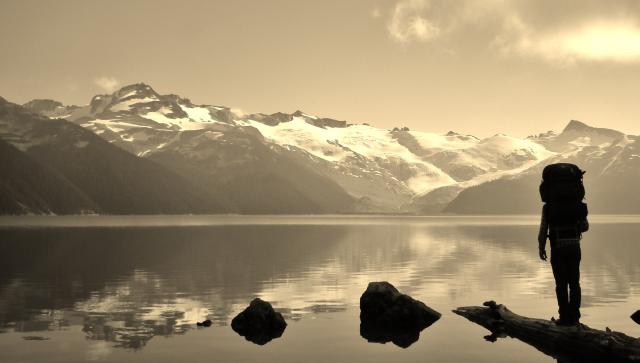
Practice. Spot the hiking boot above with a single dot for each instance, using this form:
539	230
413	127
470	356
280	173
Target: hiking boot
564	322
575	322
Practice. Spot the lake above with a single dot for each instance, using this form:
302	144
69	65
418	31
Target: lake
130	289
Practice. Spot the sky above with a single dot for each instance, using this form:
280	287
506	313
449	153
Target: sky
479	67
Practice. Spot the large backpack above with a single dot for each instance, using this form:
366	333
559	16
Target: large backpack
566	213
562	183
562	191
565	220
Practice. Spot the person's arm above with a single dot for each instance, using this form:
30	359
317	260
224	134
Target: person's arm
542	235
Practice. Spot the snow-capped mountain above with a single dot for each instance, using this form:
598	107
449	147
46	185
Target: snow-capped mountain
385	169
611	160
136	105
54	166
380	170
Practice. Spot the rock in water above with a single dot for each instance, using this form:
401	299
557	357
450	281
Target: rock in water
636	317
259	323
382	304
387	315
206	323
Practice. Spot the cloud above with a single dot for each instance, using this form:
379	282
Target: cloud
606	40
408	22
376	13
108	84
576	31
237	112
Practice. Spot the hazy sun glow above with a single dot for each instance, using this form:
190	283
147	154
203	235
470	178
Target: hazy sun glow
603	41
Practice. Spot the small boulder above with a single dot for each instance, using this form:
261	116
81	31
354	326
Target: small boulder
636	317
259	323
207	323
387	315
382	304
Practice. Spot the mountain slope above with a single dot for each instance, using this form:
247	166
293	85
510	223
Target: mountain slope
611	159
204	145
253	176
113	179
220	163
27	186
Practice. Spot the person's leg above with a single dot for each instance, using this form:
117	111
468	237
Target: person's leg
573	265
558	265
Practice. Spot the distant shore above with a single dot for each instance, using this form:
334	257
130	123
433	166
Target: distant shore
320	219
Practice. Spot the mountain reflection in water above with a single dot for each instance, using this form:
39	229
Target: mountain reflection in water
126	285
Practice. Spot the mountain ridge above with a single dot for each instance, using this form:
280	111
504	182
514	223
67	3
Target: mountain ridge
367	169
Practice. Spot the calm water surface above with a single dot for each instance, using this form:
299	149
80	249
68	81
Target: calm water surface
130	289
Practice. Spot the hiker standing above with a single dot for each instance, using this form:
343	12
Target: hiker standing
564	218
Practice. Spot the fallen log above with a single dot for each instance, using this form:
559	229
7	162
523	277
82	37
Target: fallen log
577	343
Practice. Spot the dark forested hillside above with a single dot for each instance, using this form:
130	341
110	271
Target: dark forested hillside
27	186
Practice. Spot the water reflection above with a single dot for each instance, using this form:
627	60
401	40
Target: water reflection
125	286
401	338
129	285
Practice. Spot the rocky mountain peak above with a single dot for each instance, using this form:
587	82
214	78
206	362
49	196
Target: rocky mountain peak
543	135
575	125
42	105
460	136
578	127
136	90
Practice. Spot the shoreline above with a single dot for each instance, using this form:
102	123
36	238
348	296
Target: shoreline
193	220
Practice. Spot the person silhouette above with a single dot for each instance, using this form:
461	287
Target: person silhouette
564	219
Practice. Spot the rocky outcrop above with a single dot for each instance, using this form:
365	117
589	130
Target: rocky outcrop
259	323
387	315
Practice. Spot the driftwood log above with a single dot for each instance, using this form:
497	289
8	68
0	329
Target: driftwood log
577	343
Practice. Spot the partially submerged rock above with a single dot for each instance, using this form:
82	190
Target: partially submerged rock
387	315
207	323
259	323
636	317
